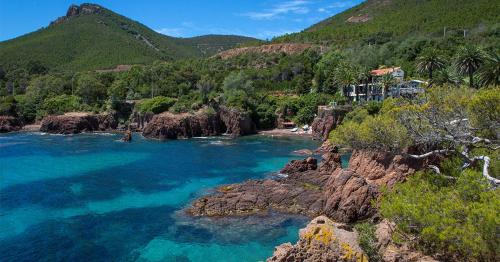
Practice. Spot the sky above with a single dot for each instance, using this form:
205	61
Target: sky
262	19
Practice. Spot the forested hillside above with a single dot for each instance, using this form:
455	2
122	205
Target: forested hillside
378	21
98	38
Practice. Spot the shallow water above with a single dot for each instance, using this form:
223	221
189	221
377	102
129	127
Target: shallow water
91	197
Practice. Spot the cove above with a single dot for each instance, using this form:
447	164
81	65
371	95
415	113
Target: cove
90	197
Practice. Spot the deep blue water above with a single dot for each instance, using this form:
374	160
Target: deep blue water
90	197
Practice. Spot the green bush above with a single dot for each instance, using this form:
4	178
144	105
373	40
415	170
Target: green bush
458	220
156	105
367	240
61	104
380	132
8	105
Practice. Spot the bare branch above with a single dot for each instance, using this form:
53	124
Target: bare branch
437	171
486	165
428	154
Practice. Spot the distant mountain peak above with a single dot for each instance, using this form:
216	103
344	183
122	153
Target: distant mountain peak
75	10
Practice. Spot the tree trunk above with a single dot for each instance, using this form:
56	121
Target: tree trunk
471	78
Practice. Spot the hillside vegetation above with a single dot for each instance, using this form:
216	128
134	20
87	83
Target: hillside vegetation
104	39
375	21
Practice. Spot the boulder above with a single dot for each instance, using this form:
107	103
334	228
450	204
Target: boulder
328	118
296	166
322	240
348	197
10	124
127	137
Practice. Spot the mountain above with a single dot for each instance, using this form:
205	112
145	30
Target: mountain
380	20
93	37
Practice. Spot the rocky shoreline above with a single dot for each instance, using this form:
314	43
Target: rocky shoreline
312	189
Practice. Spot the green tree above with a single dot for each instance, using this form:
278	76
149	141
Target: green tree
429	62
204	86
468	60
489	73
90	89
386	81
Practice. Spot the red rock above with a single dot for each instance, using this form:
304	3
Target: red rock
296	166
205	122
73	123
328	119
10	124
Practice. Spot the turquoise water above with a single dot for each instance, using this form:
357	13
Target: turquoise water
91	197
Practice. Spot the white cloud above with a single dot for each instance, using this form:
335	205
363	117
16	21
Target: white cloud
268	34
294	6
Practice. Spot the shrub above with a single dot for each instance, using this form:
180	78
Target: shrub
367	240
373	107
61	104
156	105
380	132
8	105
456	219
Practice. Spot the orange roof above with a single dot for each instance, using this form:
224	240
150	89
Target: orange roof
384	71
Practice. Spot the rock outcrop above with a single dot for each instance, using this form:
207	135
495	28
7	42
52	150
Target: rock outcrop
342	194
127	137
328	118
287	48
322	240
297	166
75	10
237	123
205	122
10	124
74	123
382	168
173	126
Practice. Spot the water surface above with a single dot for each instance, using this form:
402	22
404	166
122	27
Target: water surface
91	197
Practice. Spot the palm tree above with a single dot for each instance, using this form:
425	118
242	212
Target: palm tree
386	81
345	77
469	59
364	77
448	75
489	73
429	62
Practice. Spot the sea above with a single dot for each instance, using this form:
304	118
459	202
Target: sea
91	197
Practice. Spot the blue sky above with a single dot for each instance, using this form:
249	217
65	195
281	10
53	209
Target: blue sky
263	19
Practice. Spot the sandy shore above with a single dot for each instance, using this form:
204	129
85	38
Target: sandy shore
32	128
284	133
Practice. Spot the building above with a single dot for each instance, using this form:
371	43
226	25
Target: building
373	90
397	73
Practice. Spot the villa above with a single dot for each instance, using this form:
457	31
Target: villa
374	91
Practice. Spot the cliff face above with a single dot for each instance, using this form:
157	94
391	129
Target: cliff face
74	123
206	122
9	124
75	10
328	119
174	126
